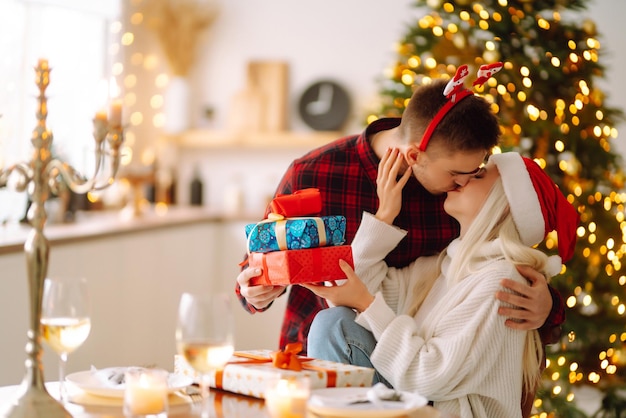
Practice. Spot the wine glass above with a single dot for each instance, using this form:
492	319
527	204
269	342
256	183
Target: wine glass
205	336
65	321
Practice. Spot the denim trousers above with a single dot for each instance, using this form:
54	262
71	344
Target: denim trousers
336	337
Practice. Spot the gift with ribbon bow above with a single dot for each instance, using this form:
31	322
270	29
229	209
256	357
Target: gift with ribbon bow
248	372
278	233
288	228
300	203
291	249
313	265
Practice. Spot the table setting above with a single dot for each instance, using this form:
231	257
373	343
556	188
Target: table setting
322	403
107	385
209	378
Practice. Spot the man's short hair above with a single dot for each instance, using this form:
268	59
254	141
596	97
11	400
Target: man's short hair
470	125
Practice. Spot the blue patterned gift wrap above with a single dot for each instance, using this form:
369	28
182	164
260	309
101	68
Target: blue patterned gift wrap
295	233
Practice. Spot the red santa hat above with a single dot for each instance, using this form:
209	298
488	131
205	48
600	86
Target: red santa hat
537	205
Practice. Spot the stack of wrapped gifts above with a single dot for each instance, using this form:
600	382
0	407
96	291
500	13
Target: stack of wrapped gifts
249	372
291	246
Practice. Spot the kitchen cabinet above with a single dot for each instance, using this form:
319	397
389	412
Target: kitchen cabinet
136	270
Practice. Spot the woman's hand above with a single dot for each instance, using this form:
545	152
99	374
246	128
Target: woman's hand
389	187
352	293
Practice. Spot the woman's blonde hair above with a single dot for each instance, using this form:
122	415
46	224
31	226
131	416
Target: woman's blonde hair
493	221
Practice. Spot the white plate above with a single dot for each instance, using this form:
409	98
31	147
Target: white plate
335	402
91	383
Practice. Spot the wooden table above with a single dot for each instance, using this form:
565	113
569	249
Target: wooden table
222	405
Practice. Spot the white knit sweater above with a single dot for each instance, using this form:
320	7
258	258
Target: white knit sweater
456	351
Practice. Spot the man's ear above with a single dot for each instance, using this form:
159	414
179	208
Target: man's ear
411	154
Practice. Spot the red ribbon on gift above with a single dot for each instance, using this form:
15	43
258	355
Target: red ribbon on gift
299	203
287	359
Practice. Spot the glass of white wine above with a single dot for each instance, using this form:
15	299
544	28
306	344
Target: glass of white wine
65	320
205	335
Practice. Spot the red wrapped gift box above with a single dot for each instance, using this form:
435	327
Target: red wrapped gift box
310	265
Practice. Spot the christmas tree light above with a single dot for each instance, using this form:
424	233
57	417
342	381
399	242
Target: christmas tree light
552	111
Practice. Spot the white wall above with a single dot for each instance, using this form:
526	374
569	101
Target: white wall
350	40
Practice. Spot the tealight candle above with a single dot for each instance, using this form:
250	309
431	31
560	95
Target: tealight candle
145	392
287	397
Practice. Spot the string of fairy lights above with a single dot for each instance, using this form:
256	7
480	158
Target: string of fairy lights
418	64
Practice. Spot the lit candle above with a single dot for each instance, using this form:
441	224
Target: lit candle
145	392
101	116
115	113
287	398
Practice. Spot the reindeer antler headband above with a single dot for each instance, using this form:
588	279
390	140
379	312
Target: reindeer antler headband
455	92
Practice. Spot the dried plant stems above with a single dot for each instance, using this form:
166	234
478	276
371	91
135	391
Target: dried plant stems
178	24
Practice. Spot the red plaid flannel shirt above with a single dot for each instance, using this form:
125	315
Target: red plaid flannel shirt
345	173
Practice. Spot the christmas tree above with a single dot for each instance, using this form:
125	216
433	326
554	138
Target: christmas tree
550	110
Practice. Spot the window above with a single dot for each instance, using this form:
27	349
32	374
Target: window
77	39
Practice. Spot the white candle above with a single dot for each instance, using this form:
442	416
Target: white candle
101	116
115	113
287	398
145	392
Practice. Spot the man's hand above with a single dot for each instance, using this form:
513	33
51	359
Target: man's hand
352	293
257	296
532	303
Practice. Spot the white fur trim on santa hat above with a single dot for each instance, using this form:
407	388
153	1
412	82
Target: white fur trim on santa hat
522	197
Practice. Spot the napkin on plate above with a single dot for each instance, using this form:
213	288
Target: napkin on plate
111	377
378	395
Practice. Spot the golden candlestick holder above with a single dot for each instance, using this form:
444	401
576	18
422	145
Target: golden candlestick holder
40	177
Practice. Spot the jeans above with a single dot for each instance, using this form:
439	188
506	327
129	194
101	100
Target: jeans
336	337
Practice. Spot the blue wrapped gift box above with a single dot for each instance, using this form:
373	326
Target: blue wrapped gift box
296	233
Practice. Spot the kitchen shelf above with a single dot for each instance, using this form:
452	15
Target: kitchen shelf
210	139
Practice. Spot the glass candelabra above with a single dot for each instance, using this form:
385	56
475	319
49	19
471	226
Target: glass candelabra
40	177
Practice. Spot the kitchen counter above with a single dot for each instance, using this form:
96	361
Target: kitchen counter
99	224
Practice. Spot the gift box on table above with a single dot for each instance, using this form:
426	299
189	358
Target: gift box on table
249	372
312	265
278	233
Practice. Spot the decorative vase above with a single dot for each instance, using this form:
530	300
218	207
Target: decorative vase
176	105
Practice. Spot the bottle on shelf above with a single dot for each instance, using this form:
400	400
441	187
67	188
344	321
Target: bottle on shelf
171	193
165	185
196	188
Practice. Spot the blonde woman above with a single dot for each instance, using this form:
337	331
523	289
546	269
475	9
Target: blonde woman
433	327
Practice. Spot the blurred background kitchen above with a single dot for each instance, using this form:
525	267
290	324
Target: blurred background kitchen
193	111
224	112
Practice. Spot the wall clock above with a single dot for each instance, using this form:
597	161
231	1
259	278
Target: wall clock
324	105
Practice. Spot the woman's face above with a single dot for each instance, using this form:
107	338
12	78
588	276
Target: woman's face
465	202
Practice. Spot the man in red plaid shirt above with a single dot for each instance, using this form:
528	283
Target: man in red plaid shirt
345	172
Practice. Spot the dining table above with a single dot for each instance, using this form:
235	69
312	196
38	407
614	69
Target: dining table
221	404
